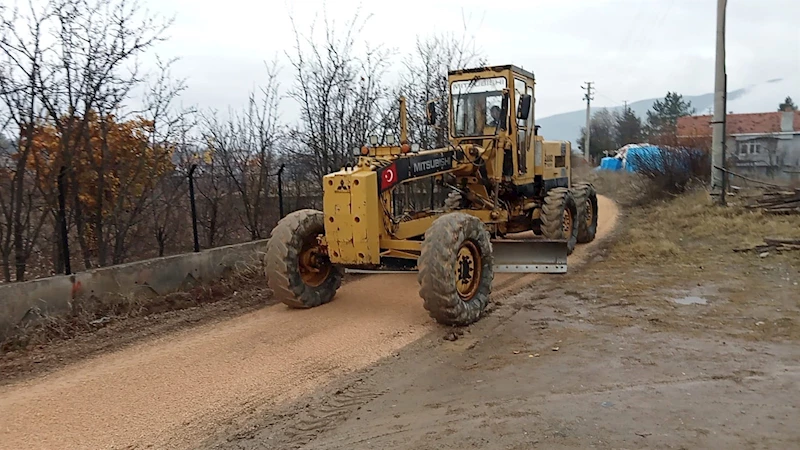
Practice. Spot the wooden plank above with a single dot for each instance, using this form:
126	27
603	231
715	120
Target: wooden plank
783	211
779	241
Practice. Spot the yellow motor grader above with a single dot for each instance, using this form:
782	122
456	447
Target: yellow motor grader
512	207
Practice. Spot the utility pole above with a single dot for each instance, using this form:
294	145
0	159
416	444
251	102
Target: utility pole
588	97
718	176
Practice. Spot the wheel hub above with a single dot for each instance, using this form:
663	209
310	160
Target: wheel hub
589	212
468	270
567	223
313	264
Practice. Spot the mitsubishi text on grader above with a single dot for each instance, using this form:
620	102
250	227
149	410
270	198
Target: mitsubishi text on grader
506	182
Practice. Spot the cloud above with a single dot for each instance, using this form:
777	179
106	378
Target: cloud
632	49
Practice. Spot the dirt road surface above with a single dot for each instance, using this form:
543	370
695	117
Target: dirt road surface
176	390
666	339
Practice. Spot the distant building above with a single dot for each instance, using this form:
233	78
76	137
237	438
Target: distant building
760	144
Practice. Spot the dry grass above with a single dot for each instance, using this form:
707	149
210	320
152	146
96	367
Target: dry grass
666	228
692	220
686	240
643	243
684	247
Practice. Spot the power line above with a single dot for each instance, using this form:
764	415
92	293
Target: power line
627	41
614	102
650	30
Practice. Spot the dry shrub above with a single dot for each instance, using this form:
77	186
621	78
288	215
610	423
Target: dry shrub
662	175
672	170
581	169
624	188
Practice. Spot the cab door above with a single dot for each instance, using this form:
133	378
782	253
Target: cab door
524	129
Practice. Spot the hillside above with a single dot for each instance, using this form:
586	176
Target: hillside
762	97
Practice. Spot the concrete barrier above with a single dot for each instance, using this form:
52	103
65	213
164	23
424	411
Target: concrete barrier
22	303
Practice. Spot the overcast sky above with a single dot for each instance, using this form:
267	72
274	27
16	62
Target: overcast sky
631	49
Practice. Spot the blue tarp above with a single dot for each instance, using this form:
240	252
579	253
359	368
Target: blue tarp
609	163
634	158
648	156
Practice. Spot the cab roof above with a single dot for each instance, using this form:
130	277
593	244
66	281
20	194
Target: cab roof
513	68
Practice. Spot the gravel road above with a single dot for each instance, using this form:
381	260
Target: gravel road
176	390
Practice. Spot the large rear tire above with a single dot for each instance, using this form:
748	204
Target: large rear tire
559	217
298	272
586	200
456	269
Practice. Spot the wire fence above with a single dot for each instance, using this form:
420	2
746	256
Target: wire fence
186	211
179	213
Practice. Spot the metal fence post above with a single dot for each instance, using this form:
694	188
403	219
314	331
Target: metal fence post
62	219
280	189
194	208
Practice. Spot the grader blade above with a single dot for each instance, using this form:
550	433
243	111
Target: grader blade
529	256
510	256
380	270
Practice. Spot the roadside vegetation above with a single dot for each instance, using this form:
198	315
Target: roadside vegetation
673	244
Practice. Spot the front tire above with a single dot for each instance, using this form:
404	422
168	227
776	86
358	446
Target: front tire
298	271
559	216
456	269
586	199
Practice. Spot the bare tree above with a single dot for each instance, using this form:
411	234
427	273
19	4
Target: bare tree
245	145
425	79
92	72
148	165
170	196
214	202
23	52
340	93
301	188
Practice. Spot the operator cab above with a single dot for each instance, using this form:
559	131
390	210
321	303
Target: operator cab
492	107
477	107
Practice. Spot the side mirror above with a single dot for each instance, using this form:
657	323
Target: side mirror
524	109
431	113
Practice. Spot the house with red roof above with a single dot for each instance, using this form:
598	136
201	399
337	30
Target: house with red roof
765	144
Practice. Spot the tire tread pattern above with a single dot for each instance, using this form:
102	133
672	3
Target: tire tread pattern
283	250
555	202
437	277
582	192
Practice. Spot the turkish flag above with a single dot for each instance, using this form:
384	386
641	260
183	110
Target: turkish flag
388	177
